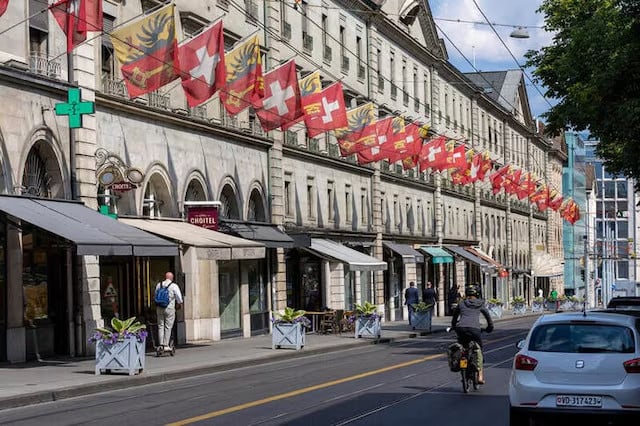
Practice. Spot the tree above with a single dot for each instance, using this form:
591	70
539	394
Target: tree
593	69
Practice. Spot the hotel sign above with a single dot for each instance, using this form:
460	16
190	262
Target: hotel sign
204	216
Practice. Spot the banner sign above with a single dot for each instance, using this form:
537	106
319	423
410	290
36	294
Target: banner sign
204	216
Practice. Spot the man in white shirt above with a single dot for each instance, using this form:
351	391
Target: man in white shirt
167	316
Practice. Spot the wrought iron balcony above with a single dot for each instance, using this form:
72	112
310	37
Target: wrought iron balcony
42	65
114	87
159	100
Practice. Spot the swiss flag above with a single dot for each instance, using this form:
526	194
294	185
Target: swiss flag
462	175
541	197
457	158
512	181
76	18
202	65
281	101
413	145
486	165
434	154
324	111
526	187
497	178
3	6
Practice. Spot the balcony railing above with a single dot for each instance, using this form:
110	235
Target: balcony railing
223	4
114	87
42	65
199	111
313	144
291	138
334	150
159	100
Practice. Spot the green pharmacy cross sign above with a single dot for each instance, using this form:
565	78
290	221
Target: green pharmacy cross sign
75	108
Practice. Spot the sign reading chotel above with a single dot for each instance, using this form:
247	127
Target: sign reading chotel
203	214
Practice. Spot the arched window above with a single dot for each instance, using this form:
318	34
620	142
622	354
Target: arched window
41	176
255	209
195	191
229	203
157	200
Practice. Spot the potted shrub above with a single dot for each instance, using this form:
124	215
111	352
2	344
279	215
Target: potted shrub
494	306
421	316
518	304
564	303
367	321
121	348
289	329
537	305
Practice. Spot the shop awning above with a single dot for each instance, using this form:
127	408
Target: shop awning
484	256
437	254
266	233
462	252
409	255
93	233
357	261
209	244
546	265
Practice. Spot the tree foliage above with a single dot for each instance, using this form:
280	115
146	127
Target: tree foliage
593	69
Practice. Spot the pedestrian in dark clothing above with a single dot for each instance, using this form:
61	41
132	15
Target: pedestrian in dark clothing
453	297
429	296
411	297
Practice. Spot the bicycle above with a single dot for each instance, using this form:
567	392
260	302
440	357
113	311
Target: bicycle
467	364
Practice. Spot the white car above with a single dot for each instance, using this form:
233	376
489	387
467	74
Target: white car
578	364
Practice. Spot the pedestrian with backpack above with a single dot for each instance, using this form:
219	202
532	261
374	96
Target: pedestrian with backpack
168	298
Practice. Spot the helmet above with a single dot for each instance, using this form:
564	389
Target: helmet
472	290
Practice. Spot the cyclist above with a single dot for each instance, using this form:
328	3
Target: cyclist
466	322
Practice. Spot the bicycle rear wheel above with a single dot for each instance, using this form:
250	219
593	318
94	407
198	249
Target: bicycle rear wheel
474	379
465	383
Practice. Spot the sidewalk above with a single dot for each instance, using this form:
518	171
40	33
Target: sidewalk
50	380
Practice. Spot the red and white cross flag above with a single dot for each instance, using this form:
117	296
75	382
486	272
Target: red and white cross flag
281	101
76	18
203	70
325	111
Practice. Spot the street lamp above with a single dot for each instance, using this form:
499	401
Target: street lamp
519	32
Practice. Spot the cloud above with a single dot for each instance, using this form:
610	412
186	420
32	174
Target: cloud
470	44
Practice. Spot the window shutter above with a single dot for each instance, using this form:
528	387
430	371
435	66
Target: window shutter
41	20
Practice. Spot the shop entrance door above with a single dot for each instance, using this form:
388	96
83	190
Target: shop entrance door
229	289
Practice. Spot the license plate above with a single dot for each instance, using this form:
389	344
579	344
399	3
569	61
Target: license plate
463	363
578	401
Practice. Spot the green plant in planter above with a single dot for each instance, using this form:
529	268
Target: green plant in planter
291	316
367	309
517	300
119	331
539	299
422	307
496	302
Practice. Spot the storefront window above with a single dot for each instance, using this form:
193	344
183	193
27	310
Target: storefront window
229	296
257	287
34	279
366	293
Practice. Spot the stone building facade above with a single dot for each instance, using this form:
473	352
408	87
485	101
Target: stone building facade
391	56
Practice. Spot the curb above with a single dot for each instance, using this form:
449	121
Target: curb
142	380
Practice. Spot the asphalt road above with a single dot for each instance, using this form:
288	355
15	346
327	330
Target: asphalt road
405	383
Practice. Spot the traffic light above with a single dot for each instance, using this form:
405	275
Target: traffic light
582	274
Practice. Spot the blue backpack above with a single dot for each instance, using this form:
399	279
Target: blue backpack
161	296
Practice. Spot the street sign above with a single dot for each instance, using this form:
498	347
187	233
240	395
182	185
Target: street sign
75	108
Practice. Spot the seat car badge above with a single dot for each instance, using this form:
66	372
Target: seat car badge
579	364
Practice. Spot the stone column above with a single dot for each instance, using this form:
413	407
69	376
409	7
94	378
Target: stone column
276	202
376	223
16	332
439	212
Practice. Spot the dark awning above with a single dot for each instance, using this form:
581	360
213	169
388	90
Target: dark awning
91	232
462	252
409	255
266	233
356	260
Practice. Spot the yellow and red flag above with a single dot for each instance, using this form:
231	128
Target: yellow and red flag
245	85
541	197
360	132
309	85
462	176
148	51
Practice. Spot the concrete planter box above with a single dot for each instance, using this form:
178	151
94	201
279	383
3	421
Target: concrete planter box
368	327
519	308
126	356
421	320
537	307
286	335
494	310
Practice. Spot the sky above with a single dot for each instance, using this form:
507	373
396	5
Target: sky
479	43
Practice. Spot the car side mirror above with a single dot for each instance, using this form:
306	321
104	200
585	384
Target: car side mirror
520	344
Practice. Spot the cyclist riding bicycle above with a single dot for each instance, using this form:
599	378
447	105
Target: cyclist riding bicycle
466	322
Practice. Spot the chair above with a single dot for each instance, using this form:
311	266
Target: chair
327	322
346	324
338	320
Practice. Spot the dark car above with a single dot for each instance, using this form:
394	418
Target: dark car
624	303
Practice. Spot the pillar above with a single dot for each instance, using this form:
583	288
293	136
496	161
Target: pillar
16	332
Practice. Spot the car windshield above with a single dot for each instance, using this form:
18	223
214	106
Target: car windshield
582	338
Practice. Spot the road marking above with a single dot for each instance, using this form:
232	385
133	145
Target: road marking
319	386
301	391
